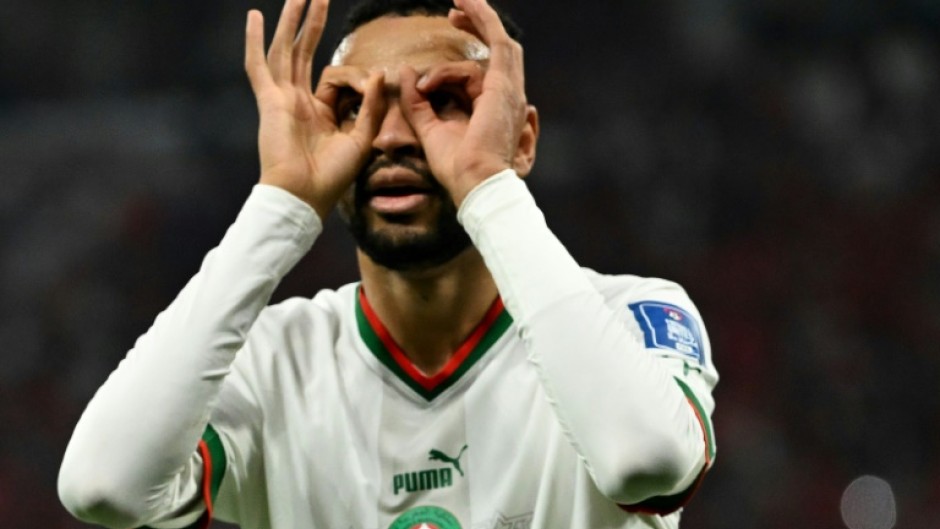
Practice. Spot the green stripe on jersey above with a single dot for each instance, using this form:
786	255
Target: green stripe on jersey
217	458
375	345
217	451
663	505
706	419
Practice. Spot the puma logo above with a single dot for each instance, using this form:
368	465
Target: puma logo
437	455
436	478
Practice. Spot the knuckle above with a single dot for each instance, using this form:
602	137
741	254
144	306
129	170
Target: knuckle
503	41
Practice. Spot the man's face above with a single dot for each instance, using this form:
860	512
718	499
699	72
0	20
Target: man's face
399	214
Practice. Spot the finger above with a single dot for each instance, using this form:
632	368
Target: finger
308	40
373	108
466	74
335	78
281	50
505	53
461	21
255	64
416	108
484	19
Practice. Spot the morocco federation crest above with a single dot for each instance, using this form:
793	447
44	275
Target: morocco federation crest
426	517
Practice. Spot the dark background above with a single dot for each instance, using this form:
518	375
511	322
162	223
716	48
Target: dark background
779	158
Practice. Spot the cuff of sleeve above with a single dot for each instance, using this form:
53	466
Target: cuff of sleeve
273	230
279	201
496	192
507	227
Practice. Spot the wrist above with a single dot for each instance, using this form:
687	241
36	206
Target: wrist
507	180
321	210
470	179
321	205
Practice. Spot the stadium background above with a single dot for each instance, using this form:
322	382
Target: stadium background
777	157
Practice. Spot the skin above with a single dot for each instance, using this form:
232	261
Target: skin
420	88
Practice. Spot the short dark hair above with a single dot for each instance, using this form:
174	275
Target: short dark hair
368	10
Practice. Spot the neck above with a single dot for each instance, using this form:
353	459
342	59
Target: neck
430	313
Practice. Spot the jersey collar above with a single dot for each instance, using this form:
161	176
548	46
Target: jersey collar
383	346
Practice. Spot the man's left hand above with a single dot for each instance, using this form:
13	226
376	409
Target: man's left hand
463	155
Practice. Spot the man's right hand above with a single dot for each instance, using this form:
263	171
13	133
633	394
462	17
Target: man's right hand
301	147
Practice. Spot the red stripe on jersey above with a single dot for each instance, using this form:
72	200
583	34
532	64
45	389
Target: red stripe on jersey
461	354
206	518
684	497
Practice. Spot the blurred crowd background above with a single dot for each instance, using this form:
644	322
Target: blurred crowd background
779	158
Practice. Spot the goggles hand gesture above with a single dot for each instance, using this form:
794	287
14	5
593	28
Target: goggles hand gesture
502	128
301	147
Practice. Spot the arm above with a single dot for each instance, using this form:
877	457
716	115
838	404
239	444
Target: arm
621	408
130	460
653	444
138	433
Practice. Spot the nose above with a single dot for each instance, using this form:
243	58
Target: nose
396	136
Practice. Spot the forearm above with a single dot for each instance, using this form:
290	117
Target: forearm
622	411
140	429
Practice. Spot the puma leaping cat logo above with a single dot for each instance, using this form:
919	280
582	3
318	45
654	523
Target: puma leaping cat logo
437	455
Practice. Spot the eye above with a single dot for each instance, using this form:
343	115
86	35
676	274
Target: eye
348	104
448	101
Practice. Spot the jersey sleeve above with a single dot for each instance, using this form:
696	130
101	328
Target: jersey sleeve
198	486
230	479
619	403
133	459
237	417
660	315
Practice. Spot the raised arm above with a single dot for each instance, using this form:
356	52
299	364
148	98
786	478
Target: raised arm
636	429
131	459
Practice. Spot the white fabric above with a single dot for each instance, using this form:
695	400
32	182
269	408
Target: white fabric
577	342
557	424
140	429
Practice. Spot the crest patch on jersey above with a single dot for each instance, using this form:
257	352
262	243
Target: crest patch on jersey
426	517
669	327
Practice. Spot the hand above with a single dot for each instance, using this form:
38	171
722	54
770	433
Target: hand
502	127
301	147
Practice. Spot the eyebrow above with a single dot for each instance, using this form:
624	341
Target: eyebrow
342	78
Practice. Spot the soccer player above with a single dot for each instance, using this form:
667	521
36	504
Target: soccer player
476	376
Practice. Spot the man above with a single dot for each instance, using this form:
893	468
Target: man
414	398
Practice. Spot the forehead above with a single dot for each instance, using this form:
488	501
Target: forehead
419	41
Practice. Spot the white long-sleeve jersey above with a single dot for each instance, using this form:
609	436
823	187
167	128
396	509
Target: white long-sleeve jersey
583	403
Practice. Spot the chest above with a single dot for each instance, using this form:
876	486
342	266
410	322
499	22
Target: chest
359	447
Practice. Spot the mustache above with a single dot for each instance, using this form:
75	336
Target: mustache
411	164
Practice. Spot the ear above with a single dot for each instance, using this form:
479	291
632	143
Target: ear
525	151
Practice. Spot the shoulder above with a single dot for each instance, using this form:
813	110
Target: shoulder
295	338
326	309
659	313
300	326
620	288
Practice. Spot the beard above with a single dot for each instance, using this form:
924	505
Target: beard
443	240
